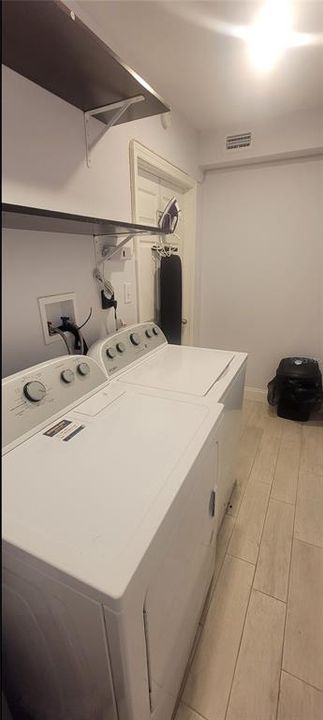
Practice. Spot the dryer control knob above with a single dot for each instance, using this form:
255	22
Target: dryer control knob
35	391
149	333
67	375
111	352
121	347
83	368
135	339
155	330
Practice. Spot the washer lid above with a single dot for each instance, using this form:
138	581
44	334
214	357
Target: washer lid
188	370
87	493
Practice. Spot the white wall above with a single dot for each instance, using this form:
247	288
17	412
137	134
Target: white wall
293	135
44	166
262	263
250	218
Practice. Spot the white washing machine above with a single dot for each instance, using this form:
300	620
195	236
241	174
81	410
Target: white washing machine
140	356
108	505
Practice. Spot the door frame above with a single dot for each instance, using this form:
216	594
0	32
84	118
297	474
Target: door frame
142	158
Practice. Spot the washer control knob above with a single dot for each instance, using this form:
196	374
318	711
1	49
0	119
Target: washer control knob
35	391
121	347
83	368
155	330
111	352
67	375
135	339
149	333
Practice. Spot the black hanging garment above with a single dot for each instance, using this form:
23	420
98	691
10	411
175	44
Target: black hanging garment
171	298
296	389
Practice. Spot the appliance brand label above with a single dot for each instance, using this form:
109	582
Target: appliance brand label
64	430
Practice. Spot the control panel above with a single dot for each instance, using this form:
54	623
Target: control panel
35	395
120	350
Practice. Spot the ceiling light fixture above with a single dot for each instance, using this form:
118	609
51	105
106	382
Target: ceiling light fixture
270	34
267	38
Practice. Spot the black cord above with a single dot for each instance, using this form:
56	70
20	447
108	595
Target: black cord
78	327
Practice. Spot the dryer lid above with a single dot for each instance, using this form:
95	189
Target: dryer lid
188	370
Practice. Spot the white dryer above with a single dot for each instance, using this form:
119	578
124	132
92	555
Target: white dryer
108	506
140	356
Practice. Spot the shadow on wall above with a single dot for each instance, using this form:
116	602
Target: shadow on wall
44	155
43	147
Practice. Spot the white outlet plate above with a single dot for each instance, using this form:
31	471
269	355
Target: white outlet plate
51	309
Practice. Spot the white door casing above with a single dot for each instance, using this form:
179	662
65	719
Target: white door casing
154	181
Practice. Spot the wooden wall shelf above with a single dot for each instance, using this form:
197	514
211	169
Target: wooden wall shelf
48	44
20	217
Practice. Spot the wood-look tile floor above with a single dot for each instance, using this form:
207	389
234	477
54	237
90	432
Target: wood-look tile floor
260	652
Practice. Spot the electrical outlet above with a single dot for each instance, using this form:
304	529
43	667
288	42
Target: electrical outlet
127	287
126	253
52	308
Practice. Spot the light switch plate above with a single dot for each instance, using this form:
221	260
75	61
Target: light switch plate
127	292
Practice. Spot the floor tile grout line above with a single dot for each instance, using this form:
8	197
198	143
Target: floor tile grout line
303	469
203	717
248	603
255	570
320	690
254	589
289	576
273	597
227	554
263	530
269	596
279	686
260	482
266	515
318	473
238	651
272	497
236	557
247	484
220	568
290	562
295	442
319	547
286	613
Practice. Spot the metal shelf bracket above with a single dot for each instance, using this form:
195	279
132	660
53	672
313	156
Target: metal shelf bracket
104	251
119	107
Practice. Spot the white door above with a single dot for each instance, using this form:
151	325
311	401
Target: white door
153	193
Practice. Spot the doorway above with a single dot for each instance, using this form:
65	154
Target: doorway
154	181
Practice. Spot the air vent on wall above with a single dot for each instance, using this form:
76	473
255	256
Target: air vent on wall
233	142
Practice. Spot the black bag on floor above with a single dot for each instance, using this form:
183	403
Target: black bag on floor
296	389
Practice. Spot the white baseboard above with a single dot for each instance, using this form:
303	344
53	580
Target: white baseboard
255	394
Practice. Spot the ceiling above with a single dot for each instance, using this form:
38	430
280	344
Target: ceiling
183	50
